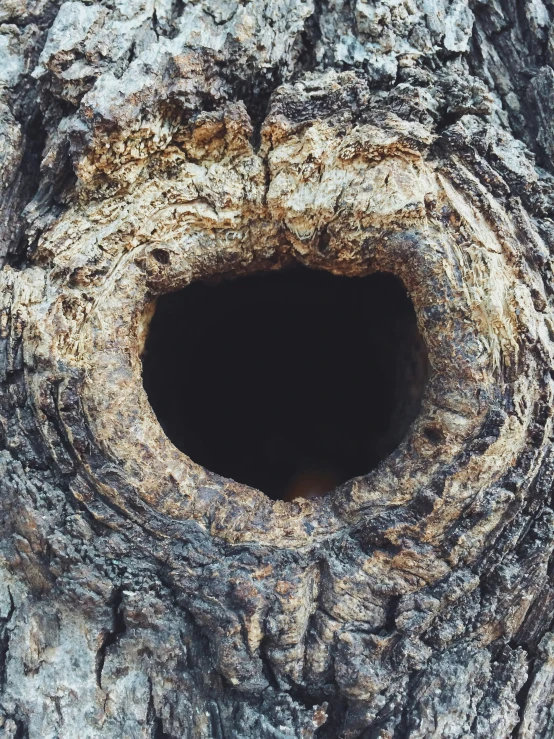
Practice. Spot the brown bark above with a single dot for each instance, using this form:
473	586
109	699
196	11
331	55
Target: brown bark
152	145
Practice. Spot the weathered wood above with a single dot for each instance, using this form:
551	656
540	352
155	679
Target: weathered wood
146	145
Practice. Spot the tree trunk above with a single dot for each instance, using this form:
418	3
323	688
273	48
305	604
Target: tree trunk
152	144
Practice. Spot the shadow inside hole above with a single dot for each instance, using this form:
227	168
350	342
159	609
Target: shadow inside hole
291	382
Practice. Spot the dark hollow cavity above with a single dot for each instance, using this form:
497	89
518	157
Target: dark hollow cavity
291	382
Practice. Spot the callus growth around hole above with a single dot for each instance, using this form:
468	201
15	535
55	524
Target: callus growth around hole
291	382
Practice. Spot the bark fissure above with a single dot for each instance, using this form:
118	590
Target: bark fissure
111	637
5	639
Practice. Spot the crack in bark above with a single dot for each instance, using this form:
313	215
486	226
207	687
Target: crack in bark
110	638
5	641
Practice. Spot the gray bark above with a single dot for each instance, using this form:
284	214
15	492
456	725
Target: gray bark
148	144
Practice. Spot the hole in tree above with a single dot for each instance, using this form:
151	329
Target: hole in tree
291	382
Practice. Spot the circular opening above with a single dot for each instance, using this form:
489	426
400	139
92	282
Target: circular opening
291	382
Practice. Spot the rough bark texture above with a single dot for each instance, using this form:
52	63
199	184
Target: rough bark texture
148	143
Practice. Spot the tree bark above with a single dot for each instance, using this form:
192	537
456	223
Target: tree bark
146	145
